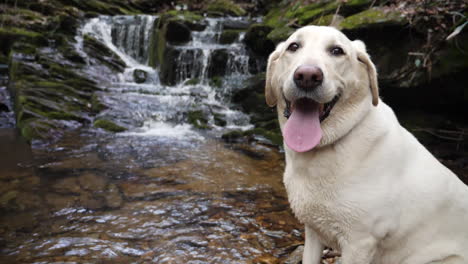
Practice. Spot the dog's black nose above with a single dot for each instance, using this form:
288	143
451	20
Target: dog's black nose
308	77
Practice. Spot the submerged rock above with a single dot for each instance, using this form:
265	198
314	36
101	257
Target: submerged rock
140	76
108	125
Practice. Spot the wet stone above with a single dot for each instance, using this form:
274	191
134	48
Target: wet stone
58	202
113	197
91	182
296	256
67	186
89	201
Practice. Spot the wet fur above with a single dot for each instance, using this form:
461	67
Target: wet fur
370	189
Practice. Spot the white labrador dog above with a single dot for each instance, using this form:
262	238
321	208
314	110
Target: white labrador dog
359	181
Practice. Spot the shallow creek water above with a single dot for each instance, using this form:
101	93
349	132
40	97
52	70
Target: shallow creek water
93	198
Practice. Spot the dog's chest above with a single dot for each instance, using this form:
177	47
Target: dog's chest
321	210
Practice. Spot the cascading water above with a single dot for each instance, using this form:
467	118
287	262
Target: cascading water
148	107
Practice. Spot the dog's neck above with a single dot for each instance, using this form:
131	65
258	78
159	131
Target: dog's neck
317	161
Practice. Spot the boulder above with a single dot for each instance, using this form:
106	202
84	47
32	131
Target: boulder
252	101
168	66
218	61
256	39
173	28
177	33
229	36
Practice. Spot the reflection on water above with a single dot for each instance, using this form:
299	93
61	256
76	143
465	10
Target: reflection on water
134	199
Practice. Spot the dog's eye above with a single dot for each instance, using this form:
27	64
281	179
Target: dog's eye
337	51
293	47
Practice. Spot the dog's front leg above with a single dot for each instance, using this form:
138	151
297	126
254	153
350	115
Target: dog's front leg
313	248
360	251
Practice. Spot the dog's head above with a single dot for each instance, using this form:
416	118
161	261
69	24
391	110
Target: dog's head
323	83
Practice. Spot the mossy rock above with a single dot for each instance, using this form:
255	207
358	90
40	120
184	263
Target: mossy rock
229	36
219	119
307	14
168	67
177	33
108	125
102	53
234	136
328	20
303	14
276	17
216	81
96	104
102	7
39	129
197	119
10	35
256	39
274	137
192	20
174	27
225	7
280	34
372	18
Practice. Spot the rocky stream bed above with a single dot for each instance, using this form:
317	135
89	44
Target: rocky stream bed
137	131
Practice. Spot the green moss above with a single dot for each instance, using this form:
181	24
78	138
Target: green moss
228	36
108	125
35	128
19	32
216	81
64	116
374	17
275	18
197	119
226	7
185	16
280	34
10	35
326	20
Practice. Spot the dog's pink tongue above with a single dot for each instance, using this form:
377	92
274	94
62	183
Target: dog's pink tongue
302	131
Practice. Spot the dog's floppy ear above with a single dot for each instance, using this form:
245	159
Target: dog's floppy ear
270	95
363	57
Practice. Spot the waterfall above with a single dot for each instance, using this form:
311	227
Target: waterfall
196	57
131	34
150	108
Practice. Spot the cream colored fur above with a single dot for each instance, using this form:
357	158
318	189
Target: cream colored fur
370	189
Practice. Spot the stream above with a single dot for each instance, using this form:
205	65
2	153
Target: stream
161	192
